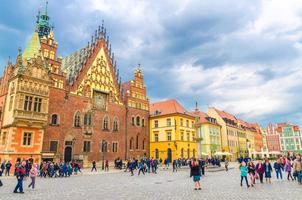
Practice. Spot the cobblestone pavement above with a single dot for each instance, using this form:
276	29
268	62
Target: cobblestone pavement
164	185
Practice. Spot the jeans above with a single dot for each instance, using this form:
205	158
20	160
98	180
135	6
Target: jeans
94	168
289	175
141	170
245	177
279	173
19	185
299	176
261	178
7	171
33	181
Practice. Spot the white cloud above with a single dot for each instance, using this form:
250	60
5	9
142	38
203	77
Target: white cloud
240	89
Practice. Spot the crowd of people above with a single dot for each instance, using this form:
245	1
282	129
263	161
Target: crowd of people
292	166
45	169
250	171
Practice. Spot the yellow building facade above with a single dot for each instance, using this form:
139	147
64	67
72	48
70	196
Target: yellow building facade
208	132
172	131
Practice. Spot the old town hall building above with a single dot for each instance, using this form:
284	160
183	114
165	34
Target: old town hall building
71	108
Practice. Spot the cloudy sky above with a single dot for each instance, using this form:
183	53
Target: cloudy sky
244	57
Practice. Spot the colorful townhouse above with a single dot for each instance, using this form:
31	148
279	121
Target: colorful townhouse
229	131
172	131
258	141
290	138
208	130
272	139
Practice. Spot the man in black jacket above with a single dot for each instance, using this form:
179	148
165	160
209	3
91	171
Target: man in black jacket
20	173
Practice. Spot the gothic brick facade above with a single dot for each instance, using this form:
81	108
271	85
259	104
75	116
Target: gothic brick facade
82	111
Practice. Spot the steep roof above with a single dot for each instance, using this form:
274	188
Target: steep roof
203	117
73	63
33	49
170	106
226	115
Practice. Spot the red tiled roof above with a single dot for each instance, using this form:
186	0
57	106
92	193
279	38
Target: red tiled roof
296	128
170	106
202	116
226	115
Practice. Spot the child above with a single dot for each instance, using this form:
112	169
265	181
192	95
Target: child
243	173
196	173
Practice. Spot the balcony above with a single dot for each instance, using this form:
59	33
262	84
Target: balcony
30	115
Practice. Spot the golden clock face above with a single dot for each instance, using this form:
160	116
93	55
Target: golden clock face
100	100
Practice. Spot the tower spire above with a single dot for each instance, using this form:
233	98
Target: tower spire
46	5
42	24
196	106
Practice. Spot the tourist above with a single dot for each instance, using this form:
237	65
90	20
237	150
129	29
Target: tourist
174	166
8	165
196	173
251	172
202	165
226	164
127	165
2	168
260	170
93	166
141	167
76	168
268	170
298	168
243	173
278	168
20	173
132	166
288	169
33	173
56	170
79	167
106	165
148	163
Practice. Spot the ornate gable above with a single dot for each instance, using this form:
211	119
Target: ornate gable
93	69
99	77
36	68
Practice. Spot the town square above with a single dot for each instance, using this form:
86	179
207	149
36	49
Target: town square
156	100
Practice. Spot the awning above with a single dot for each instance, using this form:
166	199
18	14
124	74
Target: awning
48	155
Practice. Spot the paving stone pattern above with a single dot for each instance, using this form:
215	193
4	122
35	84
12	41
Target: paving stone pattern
164	185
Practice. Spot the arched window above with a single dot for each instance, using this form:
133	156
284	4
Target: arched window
188	153
77	119
54	119
104	146
138	121
87	119
106	123
194	153
156	153
182	153
144	140
132	121
143	122
131	144
137	146
115	124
